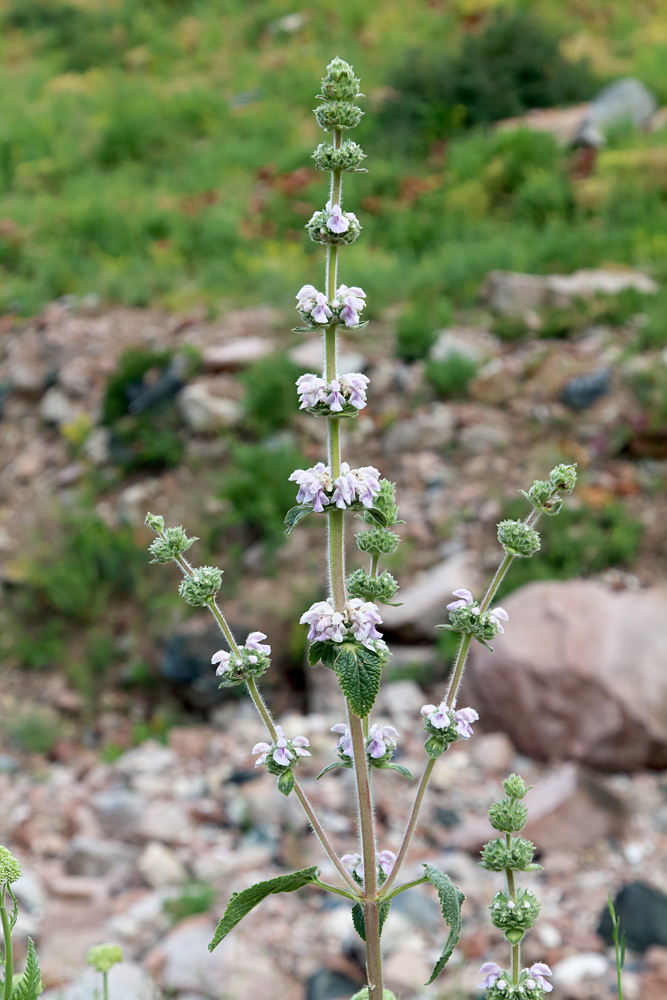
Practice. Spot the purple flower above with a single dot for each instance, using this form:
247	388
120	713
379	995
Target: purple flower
366	484
381	740
349	315
321	313
313	485
344	487
337	222
281	754
311	390
466	599
354	864
261	748
344	744
335	399
538	972
222	658
306	298
325	623
386	861
254	642
499	613
298	743
363	617
354	296
354	387
464	719
438	717
492	971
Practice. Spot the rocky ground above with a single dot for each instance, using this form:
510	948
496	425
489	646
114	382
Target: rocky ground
106	845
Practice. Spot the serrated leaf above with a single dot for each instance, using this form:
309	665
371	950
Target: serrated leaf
358	671
294	515
286	782
450	901
359	921
330	767
324	651
29	985
406	772
243	902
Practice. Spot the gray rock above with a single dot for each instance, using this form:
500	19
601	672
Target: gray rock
466	341
183	961
326	984
511	292
57	408
160	866
204	410
642	910
432	429
576	969
236	354
166	821
29	890
400	698
96	446
585	390
425	600
94	858
119	811
625	100
127	981
580	674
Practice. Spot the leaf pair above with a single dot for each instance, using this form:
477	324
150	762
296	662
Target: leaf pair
295	514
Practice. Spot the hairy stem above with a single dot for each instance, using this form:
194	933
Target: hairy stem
9	951
511	892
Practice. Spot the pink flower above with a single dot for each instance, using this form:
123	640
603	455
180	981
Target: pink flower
337	222
344	491
366	484
261	748
363	617
298	743
538	972
354	864
466	599
381	740
344	744
311	390
313	485
464	719
325	623
492	971
386	861
321	313
497	614
354	387
335	399
281	754
222	658
253	642
438	717
349	315
354	296
306	298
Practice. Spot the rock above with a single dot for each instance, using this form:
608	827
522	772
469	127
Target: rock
186	664
425	600
479	438
142	923
29	890
575	969
96	857
236	354
96	446
57	408
166	821
492	752
151	758
654	979
458	340
326	984
497	382
160	866
190	742
433	428
400	698
582	392
127	981
119	812
512	292
579	675
27	370
623	101
642	911
404	970
204	410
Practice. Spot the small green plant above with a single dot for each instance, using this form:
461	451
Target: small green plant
34	729
29	985
415	334
193	898
451	376
619	946
103	957
269	394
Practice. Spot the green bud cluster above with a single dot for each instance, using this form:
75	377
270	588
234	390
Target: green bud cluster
372	588
201	588
338	114
347	158
378	541
104	956
10	869
514	916
509	816
515	786
440	739
564	477
498	855
469	621
169	544
320	233
249	663
385	501
340	83
518	539
543	494
155	522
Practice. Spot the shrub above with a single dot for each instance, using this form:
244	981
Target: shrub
270	392
415	334
451	376
193	898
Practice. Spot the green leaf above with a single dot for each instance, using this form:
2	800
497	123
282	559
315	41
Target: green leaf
434	748
286	782
406	772
514	935
374	514
29	985
358	670
324	651
450	901
359	921
294	515
330	767
243	902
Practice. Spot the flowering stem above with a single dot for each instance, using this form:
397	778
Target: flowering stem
511	892
9	951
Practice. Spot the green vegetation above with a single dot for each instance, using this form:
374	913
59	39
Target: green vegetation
34	728
450	377
270	394
193	898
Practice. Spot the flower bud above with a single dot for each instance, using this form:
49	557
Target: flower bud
510	815
104	956
348	157
338	114
378	541
173	544
515	914
202	586
564	477
385	501
518	539
496	856
154	521
381	588
515	786
10	869
340	83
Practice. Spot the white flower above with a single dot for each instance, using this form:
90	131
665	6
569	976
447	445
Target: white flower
222	658
312	390
253	642
497	614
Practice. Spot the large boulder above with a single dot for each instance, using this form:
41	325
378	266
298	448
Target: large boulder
580	674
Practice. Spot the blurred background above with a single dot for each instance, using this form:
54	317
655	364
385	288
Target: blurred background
155	180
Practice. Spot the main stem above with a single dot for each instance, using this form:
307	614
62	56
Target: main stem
9	951
511	892
336	560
